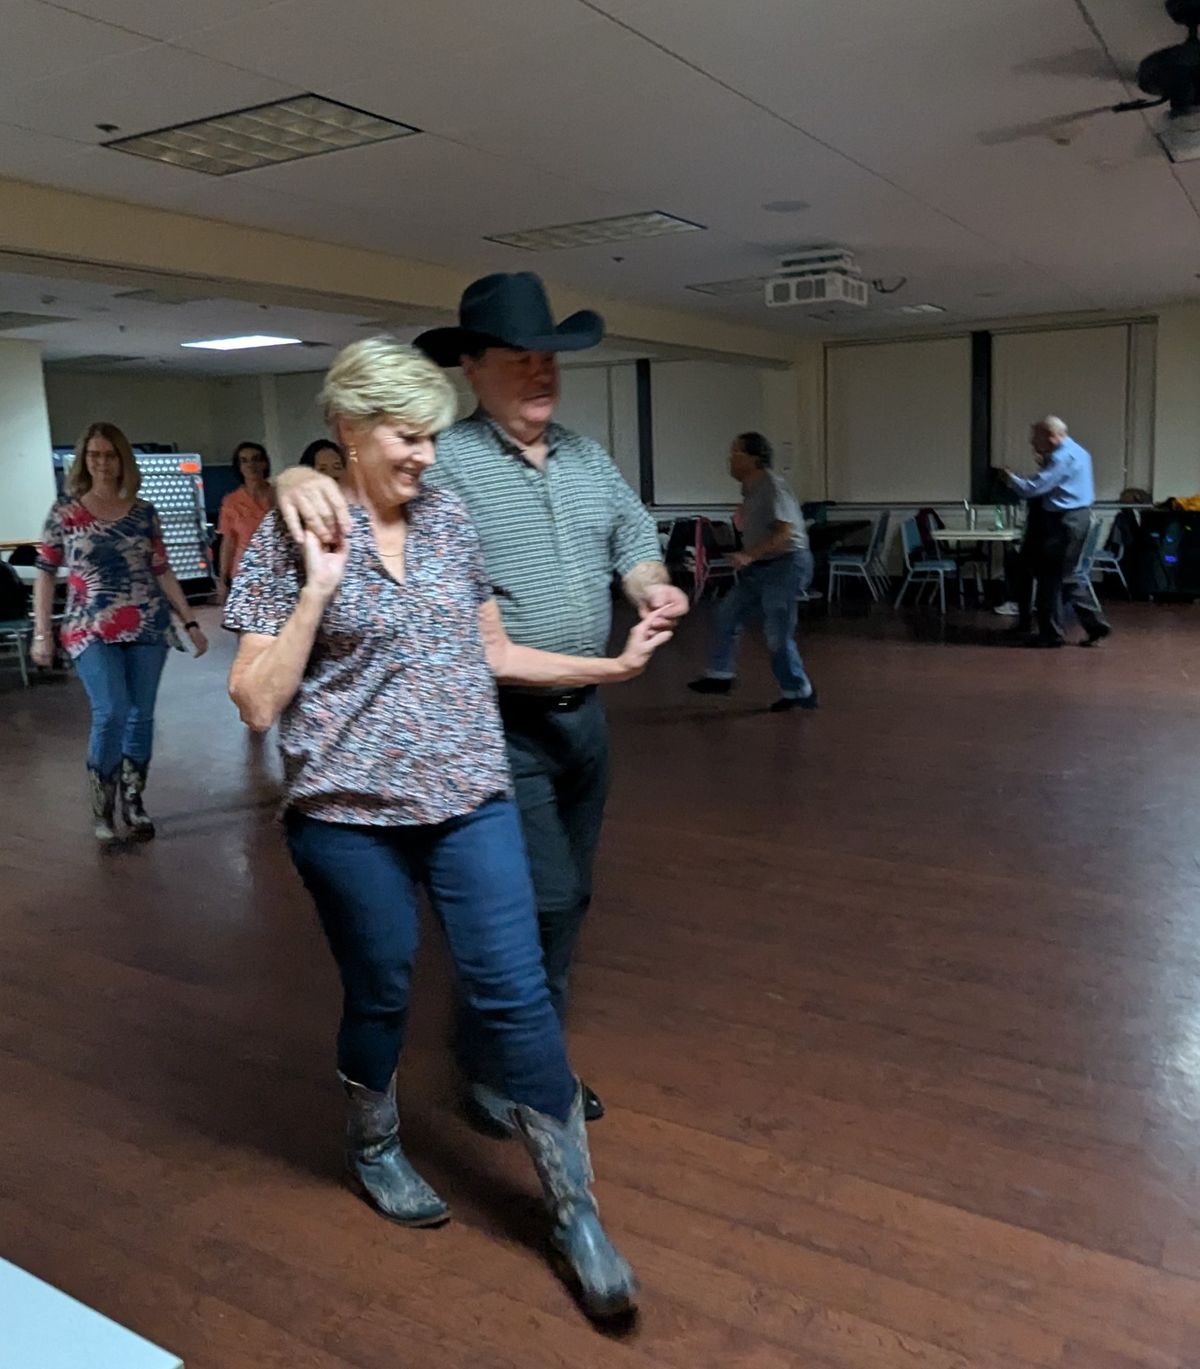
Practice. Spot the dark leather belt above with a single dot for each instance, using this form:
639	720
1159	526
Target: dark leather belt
544	701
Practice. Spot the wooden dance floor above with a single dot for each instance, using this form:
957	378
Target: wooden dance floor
896	1009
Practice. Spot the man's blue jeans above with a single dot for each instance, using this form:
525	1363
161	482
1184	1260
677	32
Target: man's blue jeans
364	881
768	590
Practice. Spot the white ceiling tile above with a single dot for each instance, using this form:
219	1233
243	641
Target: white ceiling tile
165	18
303	41
922	135
41	40
438	189
159	86
37	157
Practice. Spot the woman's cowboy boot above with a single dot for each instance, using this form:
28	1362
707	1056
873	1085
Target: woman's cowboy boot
378	1167
104	799
133	785
559	1150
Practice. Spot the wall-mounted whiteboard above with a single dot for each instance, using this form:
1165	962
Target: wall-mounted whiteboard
1099	380
898	421
601	402
699	408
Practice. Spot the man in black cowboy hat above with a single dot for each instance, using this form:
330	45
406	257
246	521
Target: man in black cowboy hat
557	521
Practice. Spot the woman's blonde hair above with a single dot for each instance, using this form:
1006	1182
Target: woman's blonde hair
79	480
380	378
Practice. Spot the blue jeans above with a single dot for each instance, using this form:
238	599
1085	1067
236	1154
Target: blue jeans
770	590
121	680
364	881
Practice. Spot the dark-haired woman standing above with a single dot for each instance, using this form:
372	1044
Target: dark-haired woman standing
244	509
326	458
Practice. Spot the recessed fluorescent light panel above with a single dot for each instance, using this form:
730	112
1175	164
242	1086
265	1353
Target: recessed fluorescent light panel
919	309
625	228
744	285
240	344
284	131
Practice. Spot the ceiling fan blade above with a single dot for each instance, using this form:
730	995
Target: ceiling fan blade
1040	128
1079	64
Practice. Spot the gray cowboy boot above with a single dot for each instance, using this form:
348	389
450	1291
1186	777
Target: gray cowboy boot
104	799
491	1111
559	1150
133	785
378	1166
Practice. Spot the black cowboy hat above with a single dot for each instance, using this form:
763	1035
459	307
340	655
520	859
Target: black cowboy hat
509	311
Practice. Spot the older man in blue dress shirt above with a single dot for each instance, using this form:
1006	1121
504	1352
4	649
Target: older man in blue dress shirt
1060	498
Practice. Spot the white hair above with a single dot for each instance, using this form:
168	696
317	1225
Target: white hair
1054	426
380	378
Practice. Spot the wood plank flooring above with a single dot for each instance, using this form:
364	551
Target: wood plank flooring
895	1006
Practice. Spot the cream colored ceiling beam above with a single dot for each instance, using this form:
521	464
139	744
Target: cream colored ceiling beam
47	224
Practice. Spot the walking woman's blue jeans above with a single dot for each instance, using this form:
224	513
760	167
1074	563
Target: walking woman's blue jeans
121	680
364	881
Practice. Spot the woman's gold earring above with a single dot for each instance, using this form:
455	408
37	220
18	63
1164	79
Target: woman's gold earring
351	453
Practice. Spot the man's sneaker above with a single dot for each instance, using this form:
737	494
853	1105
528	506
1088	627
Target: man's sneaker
1007	609
787	703
706	684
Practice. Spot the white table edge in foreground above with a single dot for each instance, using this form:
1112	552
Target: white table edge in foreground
978	534
41	1328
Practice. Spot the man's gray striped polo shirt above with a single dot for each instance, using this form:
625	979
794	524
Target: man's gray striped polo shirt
552	538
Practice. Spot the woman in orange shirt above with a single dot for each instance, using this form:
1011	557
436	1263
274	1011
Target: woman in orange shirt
244	509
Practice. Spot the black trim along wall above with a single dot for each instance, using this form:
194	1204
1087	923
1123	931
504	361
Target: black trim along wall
645	425
982	480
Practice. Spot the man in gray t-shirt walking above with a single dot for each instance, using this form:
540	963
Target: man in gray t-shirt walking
775	568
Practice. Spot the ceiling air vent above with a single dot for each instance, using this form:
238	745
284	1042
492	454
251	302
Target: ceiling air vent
91	360
162	295
11	322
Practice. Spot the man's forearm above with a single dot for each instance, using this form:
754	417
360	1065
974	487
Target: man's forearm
775	545
293	476
522	665
642	579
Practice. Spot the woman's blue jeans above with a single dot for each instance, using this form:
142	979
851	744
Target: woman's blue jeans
121	680
364	881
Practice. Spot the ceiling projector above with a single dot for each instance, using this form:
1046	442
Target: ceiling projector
817	277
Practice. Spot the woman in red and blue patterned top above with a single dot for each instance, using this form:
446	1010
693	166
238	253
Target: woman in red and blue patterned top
378	657
117	624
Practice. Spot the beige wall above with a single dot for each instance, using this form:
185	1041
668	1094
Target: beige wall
147	408
199	414
1177	403
698	406
235	406
26	470
296	419
45	222
48	223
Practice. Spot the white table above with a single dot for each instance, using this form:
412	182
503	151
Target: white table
990	537
41	1328
978	534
